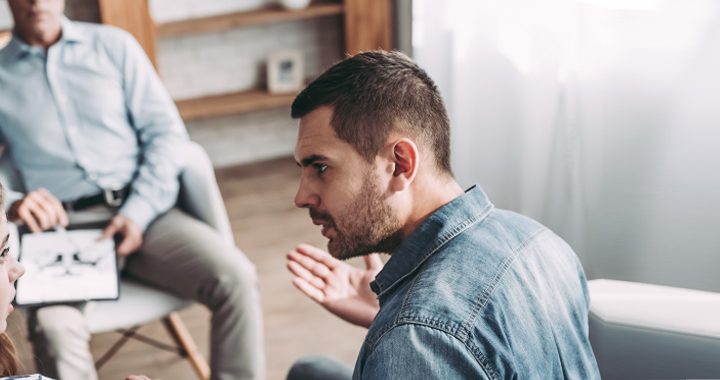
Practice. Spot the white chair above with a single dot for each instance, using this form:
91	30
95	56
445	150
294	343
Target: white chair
643	331
201	198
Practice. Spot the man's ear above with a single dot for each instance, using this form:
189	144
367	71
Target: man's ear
406	158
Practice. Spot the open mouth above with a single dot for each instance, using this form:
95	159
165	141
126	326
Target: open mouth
326	231
327	227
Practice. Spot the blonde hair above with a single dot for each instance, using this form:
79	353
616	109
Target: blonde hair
9	364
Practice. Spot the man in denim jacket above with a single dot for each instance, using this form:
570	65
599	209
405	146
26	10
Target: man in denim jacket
469	291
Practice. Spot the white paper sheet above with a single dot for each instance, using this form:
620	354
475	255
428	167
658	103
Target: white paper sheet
67	266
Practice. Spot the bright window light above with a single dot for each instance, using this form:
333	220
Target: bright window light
639	5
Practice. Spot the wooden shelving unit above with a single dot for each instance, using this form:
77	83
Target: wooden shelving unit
269	15
231	104
366	26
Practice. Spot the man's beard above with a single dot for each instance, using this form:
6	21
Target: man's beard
368	226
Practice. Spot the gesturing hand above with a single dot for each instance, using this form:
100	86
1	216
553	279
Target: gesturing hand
339	287
131	233
39	210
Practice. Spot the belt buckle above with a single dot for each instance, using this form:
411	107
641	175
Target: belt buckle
113	197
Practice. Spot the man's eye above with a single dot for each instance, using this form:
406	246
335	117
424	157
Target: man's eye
320	168
4	252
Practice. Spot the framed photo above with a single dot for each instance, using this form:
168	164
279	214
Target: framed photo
285	71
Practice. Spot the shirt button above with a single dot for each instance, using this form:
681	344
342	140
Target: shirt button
92	177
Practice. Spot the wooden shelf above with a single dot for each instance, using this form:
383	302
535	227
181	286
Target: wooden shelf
366	25
230	104
271	14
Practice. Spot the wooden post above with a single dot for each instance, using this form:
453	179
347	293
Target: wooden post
368	25
133	16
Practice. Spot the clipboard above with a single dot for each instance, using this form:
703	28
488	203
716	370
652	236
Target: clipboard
67	266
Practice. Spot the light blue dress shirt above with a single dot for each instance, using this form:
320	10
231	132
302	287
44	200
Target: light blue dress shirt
90	113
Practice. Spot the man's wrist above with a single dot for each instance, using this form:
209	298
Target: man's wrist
138	211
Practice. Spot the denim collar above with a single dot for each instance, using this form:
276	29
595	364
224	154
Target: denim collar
440	227
70	33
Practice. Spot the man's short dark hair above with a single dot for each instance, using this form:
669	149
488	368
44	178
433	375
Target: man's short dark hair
375	93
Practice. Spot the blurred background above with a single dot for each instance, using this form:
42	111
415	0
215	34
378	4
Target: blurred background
599	118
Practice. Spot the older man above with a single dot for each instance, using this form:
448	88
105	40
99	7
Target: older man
96	137
470	291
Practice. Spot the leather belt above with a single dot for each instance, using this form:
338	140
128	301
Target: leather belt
108	197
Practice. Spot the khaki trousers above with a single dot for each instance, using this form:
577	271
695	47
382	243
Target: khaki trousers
187	258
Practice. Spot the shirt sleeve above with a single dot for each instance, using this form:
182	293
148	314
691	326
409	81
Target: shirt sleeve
415	352
161	135
11	192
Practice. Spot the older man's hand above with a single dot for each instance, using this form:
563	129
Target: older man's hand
39	210
131	234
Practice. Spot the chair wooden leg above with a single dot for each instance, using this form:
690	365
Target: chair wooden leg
126	335
182	336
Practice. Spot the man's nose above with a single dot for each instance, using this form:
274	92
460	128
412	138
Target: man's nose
305	197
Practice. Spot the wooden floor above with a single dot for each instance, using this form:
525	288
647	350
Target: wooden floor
259	199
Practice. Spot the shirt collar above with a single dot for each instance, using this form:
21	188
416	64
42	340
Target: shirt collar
70	33
440	227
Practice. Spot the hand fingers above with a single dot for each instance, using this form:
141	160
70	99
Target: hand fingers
44	212
111	229
299	271
27	217
131	233
309	290
317	268
39	210
318	255
52	202
130	243
373	261
126	246
35	211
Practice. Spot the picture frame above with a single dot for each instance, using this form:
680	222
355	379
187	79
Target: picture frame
285	71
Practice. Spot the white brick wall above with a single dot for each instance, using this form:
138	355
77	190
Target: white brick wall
247	137
231	60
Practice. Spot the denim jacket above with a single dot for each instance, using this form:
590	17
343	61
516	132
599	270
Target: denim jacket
482	293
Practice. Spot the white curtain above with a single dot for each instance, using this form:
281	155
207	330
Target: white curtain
599	118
